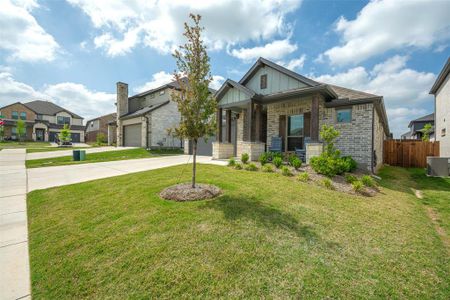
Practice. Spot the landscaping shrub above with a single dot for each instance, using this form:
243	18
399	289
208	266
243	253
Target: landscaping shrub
277	161
251	167
272	155
267	168
350	164
101	139
325	165
244	158
367	180
350	178
357	186
285	171
296	163
238	167
290	157
303	177
263	158
231	162
328	183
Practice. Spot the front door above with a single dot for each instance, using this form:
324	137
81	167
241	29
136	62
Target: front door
40	134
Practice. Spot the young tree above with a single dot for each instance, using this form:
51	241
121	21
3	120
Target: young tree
195	103
2	132
64	135
20	128
426	132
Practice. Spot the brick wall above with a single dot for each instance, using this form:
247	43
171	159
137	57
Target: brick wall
7	111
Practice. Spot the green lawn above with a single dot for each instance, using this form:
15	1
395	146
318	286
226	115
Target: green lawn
50	149
99	157
267	236
27	145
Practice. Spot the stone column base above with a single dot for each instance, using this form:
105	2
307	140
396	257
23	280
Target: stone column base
222	150
253	149
313	150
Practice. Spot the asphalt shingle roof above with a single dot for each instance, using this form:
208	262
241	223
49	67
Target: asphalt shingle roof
47	108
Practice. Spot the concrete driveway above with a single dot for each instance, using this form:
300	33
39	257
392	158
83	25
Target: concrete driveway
68	152
42	178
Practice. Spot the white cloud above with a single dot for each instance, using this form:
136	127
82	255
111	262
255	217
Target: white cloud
217	82
294	64
22	36
159	24
390	25
72	96
274	50
404	90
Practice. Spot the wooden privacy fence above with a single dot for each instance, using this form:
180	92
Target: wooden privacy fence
409	153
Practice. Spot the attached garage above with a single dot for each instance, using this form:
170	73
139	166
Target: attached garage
132	135
75	137
52	136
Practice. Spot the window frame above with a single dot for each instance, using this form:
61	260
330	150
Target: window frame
300	136
15	115
263	82
344	109
23	115
64	120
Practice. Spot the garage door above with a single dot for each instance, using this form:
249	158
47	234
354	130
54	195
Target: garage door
132	135
52	136
75	137
205	148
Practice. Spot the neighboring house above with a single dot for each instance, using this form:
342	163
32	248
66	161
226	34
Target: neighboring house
100	125
271	101
143	120
43	119
416	128
441	92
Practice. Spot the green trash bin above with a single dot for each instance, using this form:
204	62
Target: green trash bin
82	154
76	155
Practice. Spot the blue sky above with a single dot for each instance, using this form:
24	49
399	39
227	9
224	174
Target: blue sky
73	52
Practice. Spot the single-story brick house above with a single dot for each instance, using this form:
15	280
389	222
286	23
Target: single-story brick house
100	125
272	101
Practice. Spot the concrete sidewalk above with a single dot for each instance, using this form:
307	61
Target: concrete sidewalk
14	261
68	152
42	178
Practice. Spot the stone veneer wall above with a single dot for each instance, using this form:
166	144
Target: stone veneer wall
222	150
253	149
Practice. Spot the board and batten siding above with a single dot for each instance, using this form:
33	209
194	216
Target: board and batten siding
233	95
276	82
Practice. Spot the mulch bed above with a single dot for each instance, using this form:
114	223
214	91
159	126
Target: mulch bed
185	192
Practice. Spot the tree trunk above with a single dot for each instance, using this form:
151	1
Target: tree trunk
194	154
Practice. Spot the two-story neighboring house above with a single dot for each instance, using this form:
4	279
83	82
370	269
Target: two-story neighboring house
417	126
441	92
100	125
43	120
143	120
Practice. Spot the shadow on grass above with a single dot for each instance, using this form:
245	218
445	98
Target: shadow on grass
239	208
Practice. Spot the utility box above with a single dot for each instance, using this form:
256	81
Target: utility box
79	155
82	154
438	166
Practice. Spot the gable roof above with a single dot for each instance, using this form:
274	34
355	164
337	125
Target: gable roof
8	105
427	118
262	61
112	115
231	83
346	93
143	110
441	78
48	108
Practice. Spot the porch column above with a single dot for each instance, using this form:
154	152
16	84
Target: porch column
258	122
219	125
315	118
228	124
250	121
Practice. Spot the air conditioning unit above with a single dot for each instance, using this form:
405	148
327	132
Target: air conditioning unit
438	166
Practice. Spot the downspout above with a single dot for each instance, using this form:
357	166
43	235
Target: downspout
373	137
146	133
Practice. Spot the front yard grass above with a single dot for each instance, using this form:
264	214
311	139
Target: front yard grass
27	145
267	236
100	157
50	149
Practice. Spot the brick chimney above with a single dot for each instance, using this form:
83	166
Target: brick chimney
122	99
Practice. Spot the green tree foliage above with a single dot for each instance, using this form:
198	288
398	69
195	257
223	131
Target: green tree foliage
101	138
426	132
195	103
2	133
64	135
20	127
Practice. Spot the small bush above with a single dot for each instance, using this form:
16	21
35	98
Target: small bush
290	157
251	167
296	163
277	161
350	178
349	163
285	171
303	177
357	186
272	155
368	181
325	165
244	158
328	183
231	162
101	139
238	167
263	158
267	168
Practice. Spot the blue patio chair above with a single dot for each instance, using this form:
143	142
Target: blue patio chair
301	152
276	144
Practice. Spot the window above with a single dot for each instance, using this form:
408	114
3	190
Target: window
14	130
162	92
443	132
39	117
63	120
263	81
344	115
23	115
15	115
295	132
